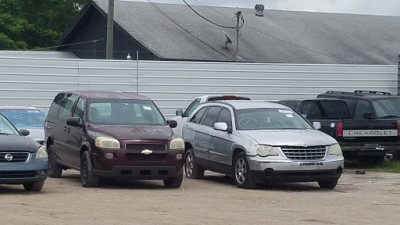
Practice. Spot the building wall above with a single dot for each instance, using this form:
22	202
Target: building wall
172	84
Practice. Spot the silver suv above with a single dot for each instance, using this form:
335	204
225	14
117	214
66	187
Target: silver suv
259	142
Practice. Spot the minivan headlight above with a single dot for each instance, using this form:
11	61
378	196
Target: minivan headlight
335	150
41	153
177	143
266	150
107	142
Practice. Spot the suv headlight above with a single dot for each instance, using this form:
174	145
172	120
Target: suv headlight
107	142
41	153
177	143
335	150
266	150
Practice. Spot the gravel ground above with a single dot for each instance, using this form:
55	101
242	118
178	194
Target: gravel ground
371	198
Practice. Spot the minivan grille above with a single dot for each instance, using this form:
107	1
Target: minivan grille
304	153
141	147
11	157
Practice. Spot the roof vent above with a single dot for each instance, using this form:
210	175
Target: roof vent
259	10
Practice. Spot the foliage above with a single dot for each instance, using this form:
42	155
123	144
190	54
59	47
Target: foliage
388	166
32	24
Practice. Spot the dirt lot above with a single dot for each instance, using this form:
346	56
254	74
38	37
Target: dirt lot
373	198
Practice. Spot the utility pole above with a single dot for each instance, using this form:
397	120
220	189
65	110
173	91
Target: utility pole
110	30
238	14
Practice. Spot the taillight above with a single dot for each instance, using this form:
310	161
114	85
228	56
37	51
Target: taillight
339	129
398	129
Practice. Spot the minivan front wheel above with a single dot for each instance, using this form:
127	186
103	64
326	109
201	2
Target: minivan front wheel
174	182
54	169
88	178
241	172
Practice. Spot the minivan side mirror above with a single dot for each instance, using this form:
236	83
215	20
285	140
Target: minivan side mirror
317	125
24	132
368	115
179	112
75	122
172	123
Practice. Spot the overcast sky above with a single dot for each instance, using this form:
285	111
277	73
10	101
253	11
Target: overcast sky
373	7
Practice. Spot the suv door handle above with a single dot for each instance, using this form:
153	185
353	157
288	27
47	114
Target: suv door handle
65	128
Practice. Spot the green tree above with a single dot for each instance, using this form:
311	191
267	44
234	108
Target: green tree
35	24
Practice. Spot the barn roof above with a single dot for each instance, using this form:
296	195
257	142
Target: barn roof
175	32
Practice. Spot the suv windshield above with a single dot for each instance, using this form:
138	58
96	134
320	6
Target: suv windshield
261	119
6	127
25	117
124	112
389	107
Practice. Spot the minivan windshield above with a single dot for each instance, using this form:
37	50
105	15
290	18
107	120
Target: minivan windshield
124	112
262	119
6	128
389	107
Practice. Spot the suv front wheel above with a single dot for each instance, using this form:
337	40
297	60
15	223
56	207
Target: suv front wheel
88	179
241	172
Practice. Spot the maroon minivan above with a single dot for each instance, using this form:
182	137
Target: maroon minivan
117	135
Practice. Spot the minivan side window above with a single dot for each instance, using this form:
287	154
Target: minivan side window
79	109
225	117
66	106
55	106
199	115
211	116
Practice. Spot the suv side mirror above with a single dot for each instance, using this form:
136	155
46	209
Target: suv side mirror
24	132
368	115
222	127
75	122
317	125
179	112
172	123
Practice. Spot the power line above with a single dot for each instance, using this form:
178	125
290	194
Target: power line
273	37
77	43
206	18
187	31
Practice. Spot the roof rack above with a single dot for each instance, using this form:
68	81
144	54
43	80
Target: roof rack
372	92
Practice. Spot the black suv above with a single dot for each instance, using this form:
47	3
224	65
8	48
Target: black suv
112	134
370	105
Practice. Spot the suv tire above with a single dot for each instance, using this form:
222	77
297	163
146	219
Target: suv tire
174	182
88	179
54	169
192	170
241	172
34	186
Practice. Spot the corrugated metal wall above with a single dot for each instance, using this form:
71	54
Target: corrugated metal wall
172	85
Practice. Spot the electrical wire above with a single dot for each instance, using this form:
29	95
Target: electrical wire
183	28
273	37
72	44
232	27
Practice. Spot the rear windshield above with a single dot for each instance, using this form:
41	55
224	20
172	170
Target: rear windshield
125	112
326	110
25	117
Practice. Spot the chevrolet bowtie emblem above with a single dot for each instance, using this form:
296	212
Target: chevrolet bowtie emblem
147	152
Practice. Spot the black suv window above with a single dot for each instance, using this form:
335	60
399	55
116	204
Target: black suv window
311	109
361	108
66	106
225	116
55	106
197	117
211	116
326	109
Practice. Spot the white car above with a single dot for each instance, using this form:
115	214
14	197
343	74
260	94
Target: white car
259	142
181	117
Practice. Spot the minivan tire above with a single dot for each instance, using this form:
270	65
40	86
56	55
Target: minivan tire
54	169
241	172
88	178
192	169
174	182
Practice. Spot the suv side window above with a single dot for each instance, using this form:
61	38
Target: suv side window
191	107
79	109
66	106
225	116
199	115
211	116
312	110
55	106
361	108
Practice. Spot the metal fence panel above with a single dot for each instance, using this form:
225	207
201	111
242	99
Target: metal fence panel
172	85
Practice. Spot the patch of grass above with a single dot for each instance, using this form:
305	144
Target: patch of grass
387	166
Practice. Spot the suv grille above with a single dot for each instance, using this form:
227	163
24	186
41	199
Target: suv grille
304	153
14	156
141	147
